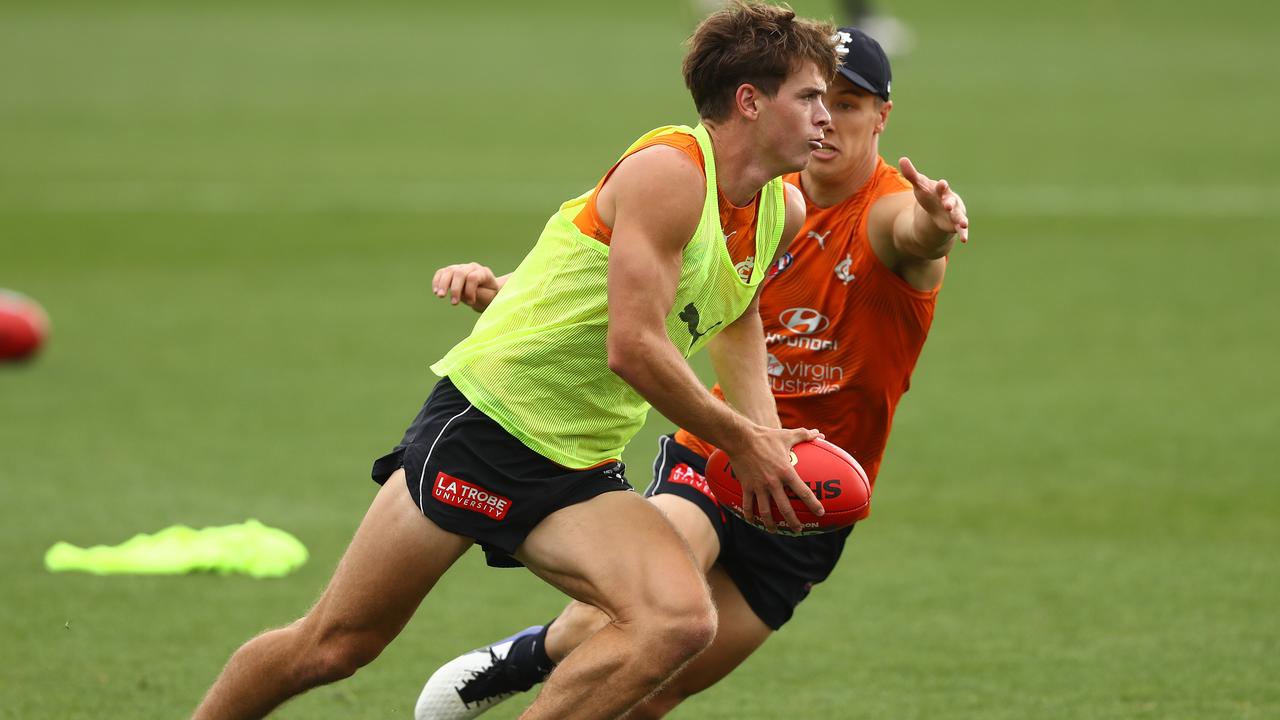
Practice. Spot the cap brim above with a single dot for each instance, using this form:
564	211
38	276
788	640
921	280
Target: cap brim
860	81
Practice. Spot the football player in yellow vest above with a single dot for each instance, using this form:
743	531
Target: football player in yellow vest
855	295
518	446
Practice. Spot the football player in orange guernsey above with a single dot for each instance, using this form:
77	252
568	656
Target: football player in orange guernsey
845	313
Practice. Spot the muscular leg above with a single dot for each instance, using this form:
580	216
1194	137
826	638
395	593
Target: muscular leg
740	632
395	558
659	614
580	621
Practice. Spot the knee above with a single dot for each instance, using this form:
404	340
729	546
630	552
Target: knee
697	629
337	656
687	626
340	660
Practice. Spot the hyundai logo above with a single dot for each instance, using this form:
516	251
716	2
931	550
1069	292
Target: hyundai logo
803	321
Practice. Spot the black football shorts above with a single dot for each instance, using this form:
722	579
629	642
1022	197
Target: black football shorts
473	478
773	572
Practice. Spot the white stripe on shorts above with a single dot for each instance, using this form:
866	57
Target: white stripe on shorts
658	463
423	477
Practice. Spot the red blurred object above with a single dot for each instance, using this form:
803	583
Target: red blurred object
835	478
23	326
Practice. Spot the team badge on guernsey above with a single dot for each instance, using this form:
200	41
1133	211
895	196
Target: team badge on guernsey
776	268
842	270
462	494
686	475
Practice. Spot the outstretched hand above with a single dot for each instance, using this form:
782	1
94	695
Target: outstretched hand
472	284
936	198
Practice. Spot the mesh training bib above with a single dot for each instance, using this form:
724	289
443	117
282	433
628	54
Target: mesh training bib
536	361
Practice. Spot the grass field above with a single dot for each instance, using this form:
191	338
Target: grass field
232	210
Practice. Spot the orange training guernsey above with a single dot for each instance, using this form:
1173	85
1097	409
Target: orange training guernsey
843	330
739	223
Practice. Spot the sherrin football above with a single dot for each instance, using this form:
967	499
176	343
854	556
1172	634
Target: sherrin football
835	478
23	326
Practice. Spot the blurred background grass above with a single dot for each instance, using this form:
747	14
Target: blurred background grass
232	210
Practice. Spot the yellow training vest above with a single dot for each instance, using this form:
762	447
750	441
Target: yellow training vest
536	361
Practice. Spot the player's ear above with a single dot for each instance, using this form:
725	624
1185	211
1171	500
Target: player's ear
747	100
884	109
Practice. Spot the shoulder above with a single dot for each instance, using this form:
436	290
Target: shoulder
889	197
659	189
654	166
795	209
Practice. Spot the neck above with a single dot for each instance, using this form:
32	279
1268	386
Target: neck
740	172
827	190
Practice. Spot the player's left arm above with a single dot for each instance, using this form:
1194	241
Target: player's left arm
738	354
921	225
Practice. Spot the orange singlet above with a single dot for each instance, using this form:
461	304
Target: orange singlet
843	330
739	223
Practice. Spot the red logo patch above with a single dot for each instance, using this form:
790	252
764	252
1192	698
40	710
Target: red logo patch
686	475
460	493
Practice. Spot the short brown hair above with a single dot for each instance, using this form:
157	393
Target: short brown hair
750	42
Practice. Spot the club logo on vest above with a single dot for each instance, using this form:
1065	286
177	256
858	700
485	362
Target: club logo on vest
842	270
462	494
803	321
690	315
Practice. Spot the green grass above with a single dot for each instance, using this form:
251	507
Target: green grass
231	212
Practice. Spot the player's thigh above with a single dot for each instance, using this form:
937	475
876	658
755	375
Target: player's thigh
395	558
616	552
694	527
739	633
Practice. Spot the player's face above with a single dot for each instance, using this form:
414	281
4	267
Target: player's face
794	119
857	119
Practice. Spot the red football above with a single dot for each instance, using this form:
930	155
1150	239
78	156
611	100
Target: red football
835	478
23	326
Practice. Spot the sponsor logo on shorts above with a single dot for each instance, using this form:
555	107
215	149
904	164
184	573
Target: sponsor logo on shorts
685	475
462	494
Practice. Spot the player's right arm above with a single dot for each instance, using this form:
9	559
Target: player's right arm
911	232
472	284
653	202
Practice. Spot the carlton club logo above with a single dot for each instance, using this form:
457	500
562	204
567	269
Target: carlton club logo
803	321
843	270
462	494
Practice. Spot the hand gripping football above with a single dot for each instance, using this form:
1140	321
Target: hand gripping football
835	478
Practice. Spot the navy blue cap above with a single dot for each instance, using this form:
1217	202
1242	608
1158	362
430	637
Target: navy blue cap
865	63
